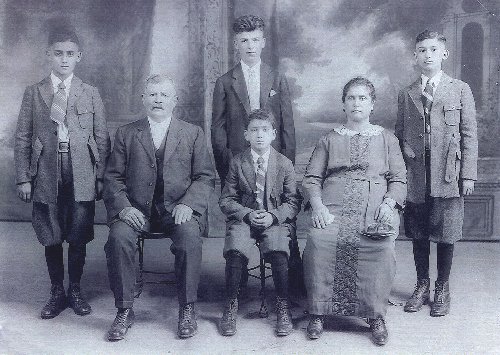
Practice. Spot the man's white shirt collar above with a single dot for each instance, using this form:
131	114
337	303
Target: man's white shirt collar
158	130
246	68
55	82
434	81
264	156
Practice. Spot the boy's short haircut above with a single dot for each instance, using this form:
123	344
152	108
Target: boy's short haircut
429	35
63	34
261	114
248	23
359	81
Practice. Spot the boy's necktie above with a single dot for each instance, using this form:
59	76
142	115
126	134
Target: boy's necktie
253	89
59	103
260	182
427	97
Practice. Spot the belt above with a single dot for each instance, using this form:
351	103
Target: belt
63	147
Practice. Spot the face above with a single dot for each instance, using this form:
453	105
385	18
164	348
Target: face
249	46
260	134
358	103
430	54
159	100
63	57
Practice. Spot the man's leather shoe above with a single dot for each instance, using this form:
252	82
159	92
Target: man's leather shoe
284	324
315	327
124	319
379	331
442	299
187	326
56	304
420	296
76	301
227	323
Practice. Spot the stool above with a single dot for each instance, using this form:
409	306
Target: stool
263	311
139	283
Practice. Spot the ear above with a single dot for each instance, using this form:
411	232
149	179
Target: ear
79	56
415	55
446	54
263	42
274	133
245	134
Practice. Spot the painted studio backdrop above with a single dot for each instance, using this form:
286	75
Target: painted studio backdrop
319	44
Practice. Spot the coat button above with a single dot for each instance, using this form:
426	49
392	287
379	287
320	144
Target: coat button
150	184
147	202
421	135
152	165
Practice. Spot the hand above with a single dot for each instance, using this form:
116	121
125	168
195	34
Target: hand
384	213
408	151
260	219
133	217
182	213
24	191
99	185
321	216
467	187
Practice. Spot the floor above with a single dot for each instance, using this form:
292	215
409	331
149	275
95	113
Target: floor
471	328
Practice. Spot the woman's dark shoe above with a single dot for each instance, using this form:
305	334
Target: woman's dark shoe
284	324
442	299
123	320
227	324
379	331
315	327
420	296
76	301
187	326
56	303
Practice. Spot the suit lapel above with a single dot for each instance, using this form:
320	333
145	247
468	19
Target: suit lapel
266	83
173	139
145	138
271	173
248	169
441	90
415	93
46	91
240	87
74	91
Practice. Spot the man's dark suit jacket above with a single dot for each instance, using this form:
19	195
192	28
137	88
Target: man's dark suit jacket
230	109
130	175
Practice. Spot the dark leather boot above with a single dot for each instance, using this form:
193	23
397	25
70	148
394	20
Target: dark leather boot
227	323
284	324
315	326
379	331
420	296
187	326
441	305
76	301
56	303
123	320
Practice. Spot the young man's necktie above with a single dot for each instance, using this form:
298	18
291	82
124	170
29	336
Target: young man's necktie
427	97
59	103
260	182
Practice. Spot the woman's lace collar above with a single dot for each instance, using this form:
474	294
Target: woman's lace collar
374	130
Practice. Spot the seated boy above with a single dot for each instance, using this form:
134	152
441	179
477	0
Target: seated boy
260	201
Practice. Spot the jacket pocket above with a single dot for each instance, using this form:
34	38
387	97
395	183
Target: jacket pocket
85	114
94	152
452	114
35	156
453	161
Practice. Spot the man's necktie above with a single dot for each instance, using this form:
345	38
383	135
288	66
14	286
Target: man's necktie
427	97
260	182
59	103
253	89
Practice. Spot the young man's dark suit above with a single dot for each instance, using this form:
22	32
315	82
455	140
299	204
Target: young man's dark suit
230	109
131	179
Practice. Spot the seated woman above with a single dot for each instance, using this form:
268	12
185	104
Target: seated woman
354	183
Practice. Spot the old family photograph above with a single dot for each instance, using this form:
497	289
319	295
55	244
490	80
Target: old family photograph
230	176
